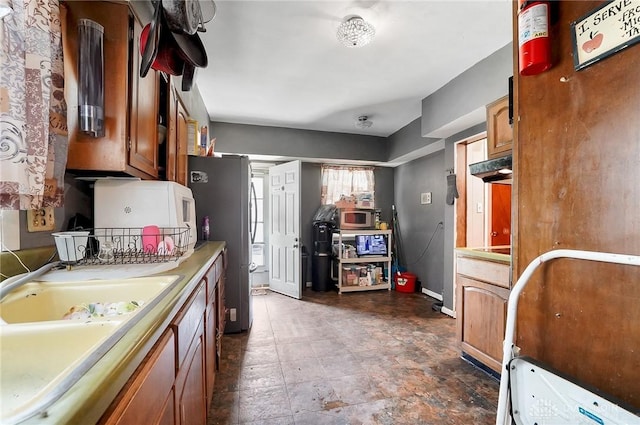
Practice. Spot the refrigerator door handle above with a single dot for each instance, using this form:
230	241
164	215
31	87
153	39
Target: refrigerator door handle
253	223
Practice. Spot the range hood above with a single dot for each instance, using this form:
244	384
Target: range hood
493	170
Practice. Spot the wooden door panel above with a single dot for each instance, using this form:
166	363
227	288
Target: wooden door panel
143	152
182	134
576	187
500	214
150	388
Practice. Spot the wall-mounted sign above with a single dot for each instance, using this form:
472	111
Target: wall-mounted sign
604	31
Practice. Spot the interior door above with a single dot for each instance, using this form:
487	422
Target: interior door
500	214
284	235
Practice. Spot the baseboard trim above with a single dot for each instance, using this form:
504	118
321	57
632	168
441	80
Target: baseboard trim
478	364
448	312
432	294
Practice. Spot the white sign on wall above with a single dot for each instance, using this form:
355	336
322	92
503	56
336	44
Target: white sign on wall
605	31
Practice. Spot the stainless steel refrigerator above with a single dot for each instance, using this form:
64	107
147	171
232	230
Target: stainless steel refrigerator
221	188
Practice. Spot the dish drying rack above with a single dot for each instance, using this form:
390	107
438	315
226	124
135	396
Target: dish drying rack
127	245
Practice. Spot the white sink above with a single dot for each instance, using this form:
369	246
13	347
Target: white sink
43	356
43	301
36	358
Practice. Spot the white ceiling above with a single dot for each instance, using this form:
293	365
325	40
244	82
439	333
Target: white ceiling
278	63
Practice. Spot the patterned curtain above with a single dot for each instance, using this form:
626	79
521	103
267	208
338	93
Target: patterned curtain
340	181
33	123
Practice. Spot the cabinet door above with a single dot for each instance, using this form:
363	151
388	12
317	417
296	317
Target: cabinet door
143	132
176	138
148	396
210	349
188	323
182	135
499	131
168	412
483	309
172	133
109	152
222	312
190	385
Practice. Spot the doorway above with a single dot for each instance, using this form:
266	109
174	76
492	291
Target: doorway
259	227
483	211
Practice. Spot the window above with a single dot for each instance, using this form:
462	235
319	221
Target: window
257	220
339	180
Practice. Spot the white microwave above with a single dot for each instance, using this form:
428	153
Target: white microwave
356	219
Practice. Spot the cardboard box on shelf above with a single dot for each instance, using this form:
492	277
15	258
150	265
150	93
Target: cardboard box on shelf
364	200
352	275
346	202
193	138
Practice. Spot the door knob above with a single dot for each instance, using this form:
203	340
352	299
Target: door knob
295	245
494	234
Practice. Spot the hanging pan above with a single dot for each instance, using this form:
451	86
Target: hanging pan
149	43
172	51
182	16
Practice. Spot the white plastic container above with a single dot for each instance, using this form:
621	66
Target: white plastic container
71	245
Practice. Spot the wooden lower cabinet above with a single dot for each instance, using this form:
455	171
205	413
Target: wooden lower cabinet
151	386
191	391
190	384
481	309
484	311
174	384
168	415
222	310
210	348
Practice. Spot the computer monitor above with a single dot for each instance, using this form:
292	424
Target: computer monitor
371	245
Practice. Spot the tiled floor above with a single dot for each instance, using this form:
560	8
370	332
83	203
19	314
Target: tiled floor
359	358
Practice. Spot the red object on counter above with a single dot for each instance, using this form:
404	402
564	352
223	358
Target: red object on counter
405	282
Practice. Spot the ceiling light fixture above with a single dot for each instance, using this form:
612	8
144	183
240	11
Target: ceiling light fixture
355	32
363	122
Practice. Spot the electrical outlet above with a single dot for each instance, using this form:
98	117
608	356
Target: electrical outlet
425	198
41	220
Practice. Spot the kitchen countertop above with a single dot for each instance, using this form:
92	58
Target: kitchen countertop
485	253
87	400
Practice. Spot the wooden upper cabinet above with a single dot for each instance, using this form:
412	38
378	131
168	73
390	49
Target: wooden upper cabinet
143	148
129	145
181	142
499	131
176	168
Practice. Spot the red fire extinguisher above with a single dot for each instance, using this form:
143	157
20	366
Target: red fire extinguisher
533	37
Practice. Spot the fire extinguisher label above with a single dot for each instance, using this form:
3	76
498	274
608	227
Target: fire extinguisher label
532	24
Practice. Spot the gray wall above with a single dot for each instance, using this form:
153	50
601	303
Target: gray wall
469	92
290	142
194	104
419	223
408	139
310	202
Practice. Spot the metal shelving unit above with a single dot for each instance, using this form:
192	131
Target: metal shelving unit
382	260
